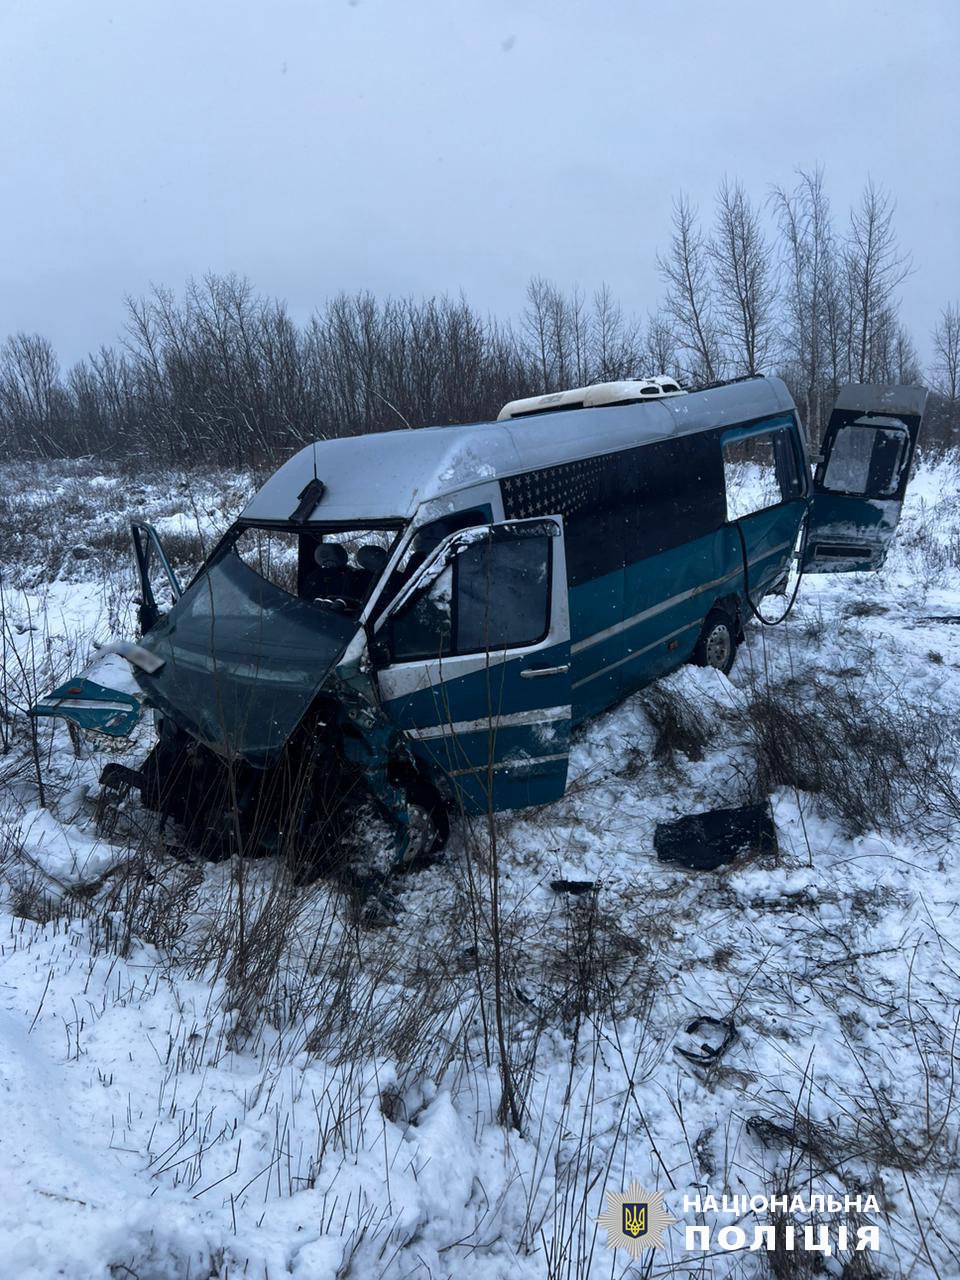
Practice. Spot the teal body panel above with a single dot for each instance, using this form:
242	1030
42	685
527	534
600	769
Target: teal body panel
92	707
666	599
863	526
594	607
491	738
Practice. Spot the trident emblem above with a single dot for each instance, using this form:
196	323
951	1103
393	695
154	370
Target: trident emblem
634	1219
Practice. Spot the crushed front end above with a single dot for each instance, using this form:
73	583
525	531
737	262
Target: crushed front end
269	739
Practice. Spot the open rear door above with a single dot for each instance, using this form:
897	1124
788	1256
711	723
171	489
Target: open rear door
474	664
862	475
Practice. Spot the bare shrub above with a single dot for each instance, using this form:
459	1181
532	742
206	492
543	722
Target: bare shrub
147	897
30	899
678	724
829	741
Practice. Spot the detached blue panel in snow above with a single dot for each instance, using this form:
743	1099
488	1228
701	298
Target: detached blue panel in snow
92	706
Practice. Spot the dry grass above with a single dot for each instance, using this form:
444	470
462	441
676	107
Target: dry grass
678	724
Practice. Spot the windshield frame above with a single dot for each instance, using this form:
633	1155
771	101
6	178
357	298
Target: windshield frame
316	528
252	707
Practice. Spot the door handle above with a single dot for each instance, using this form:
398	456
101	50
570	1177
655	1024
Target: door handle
532	672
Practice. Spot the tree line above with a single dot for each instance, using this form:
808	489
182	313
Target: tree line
773	286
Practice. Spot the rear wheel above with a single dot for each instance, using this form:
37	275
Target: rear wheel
717	646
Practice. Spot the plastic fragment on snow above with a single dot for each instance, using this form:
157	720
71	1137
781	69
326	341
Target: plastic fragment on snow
573	886
705	841
723	1030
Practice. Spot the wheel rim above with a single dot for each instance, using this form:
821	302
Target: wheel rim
421	834
718	646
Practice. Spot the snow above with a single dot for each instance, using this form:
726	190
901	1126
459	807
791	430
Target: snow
161	1118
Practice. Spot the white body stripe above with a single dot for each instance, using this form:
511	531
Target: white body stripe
525	763
83	704
543	715
609	632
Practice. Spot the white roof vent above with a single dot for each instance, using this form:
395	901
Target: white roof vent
601	393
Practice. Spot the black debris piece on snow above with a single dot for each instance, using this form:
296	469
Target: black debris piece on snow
705	841
573	886
722	1030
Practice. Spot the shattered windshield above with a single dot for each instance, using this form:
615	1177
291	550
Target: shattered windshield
334	565
243	658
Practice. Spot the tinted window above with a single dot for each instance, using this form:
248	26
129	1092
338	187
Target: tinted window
621	507
866	460
502	594
494	595
671	493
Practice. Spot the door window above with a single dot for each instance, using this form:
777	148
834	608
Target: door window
867	461
424	627
760	471
495	595
502	594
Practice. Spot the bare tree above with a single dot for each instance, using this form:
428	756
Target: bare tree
808	295
579	326
745	281
660	347
905	365
613	341
690	294
943	424
560	337
946	357
875	270
536	326
33	401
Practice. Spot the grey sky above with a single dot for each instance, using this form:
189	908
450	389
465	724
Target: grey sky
427	145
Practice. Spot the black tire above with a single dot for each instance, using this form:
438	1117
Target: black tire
717	646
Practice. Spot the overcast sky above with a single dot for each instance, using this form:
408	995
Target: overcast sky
426	146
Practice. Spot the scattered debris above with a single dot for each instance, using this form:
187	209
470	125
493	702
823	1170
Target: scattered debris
115	776
705	841
573	886
724	1030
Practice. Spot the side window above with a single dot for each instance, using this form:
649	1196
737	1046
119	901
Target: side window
503	594
866	461
425	540
423	628
672	494
495	595
760	471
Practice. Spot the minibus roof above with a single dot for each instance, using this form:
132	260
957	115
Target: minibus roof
387	475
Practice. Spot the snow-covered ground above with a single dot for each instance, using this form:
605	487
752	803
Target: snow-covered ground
315	1097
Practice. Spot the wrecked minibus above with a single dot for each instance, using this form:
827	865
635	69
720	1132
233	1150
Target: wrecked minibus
416	620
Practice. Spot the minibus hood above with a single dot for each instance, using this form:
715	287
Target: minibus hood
242	660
